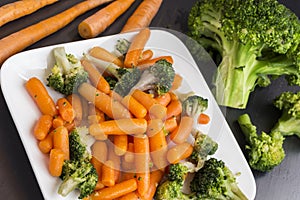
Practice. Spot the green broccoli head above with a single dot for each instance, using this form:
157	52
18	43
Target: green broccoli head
265	151
215	181
194	105
179	171
204	146
78	174
256	39
157	78
171	190
67	73
289	122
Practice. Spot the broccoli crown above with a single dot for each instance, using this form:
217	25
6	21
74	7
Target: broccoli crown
204	146
215	181
289	122
171	190
177	172
265	151
255	39
67	73
122	46
194	105
78	174
157	78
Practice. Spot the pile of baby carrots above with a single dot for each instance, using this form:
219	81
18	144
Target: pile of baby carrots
137	136
88	28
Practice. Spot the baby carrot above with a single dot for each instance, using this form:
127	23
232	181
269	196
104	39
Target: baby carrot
158	149
116	160
100	151
147	63
98	166
96	131
129	155
65	109
96	77
108	173
176	82
179	152
183	130
163	99
76	103
42	127
115	191
154	126
155	178
146	55
103	102
130	196
203	118
136	48
120	144
142	16
56	161
174	108
103	54
57	121
61	140
41	97
136	108
98	22
46	144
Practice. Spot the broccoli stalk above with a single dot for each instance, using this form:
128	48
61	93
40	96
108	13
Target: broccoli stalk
289	122
265	151
256	39
67	73
215	181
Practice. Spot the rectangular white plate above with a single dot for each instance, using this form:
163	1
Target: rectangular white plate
20	67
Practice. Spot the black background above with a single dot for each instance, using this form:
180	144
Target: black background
17	180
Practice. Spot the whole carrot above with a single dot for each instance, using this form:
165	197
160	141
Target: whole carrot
143	15
12	11
98	22
40	95
19	40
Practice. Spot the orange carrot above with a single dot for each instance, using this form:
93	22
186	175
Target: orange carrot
170	124
46	144
96	131
163	99
19	40
103	54
129	155
155	178
12	11
115	191
121	127
57	121
146	55
65	109
61	140
154	126
130	196
42	127
183	130
98	22
179	152
142	159
98	166
103	102
147	63
174	108
158	149
108	173
56	161
143	15
100	151
76	103
203	118
136	108
136	48
120	144
176	82
40	95
116	160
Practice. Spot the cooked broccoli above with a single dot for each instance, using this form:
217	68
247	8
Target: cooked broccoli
171	190
256	39
78	172
67	73
265	151
193	106
121	47
215	181
158	78
289	122
204	146
179	171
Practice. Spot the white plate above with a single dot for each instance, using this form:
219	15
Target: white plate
20	67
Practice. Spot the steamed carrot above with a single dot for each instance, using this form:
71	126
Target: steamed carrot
174	108
56	161
12	11
121	127
176	82
76	103
98	22
136	108
116	160
96	131
65	109
100	151
42	127
136	48
154	126
183	130
163	99
179	152
40	95
103	102
120	144
61	140
142	16
46	144
108	173
129	155
103	54
170	124
203	118
155	178
19	40
147	63
115	191
57	121
146	55
130	196
98	166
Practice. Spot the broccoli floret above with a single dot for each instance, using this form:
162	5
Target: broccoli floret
204	146
265	151
179	171
171	190
158	78
78	174
215	181
121	47
193	106
256	39
67	73
289	122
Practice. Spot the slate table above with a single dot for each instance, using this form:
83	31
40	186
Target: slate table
17	180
